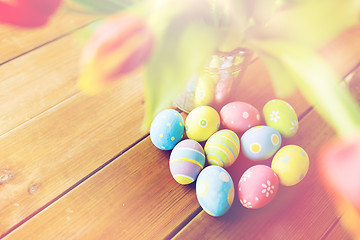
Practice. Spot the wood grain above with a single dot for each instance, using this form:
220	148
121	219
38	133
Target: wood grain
58	148
17	41
337	232
134	197
37	81
343	52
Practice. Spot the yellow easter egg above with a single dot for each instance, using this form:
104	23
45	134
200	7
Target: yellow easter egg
204	91
201	123
291	164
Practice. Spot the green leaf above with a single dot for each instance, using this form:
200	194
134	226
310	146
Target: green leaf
179	54
312	23
105	6
317	82
282	78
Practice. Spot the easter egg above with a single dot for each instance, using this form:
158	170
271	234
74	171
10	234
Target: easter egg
215	190
204	91
201	123
222	148
279	115
291	164
260	142
239	116
167	129
187	159
257	186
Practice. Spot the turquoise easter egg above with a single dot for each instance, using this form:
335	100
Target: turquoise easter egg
215	190
167	129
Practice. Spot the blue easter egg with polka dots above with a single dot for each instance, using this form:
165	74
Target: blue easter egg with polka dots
215	190
167	129
260	142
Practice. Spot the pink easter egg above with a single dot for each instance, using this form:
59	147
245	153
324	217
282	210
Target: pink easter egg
239	116
258	186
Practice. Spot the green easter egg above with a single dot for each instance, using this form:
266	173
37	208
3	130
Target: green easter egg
281	116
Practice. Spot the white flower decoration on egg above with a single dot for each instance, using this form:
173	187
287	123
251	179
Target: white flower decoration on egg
246	203
294	126
268	189
245	176
274	116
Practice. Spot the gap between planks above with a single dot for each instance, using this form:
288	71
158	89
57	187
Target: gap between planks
50	41
34	49
73	186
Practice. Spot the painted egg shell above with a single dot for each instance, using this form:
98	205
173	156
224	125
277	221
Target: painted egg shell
279	115
215	190
257	186
167	129
239	116
204	91
260	142
291	164
222	148
201	123
187	159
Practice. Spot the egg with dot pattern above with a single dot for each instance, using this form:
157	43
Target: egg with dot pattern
167	129
239	116
291	163
215	190
260	142
187	159
201	123
281	116
222	148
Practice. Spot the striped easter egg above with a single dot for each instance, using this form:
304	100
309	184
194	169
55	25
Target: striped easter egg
187	159
222	148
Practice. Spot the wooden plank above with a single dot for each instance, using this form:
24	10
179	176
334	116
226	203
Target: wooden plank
337	232
343	52
133	197
15	41
47	155
35	82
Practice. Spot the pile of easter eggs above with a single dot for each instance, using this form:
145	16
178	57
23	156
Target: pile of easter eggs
241	132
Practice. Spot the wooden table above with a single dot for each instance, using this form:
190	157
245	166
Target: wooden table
78	167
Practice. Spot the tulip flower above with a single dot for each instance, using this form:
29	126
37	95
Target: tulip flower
119	47
340	168
27	13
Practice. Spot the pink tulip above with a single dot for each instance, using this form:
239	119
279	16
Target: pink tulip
27	13
339	163
119	47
